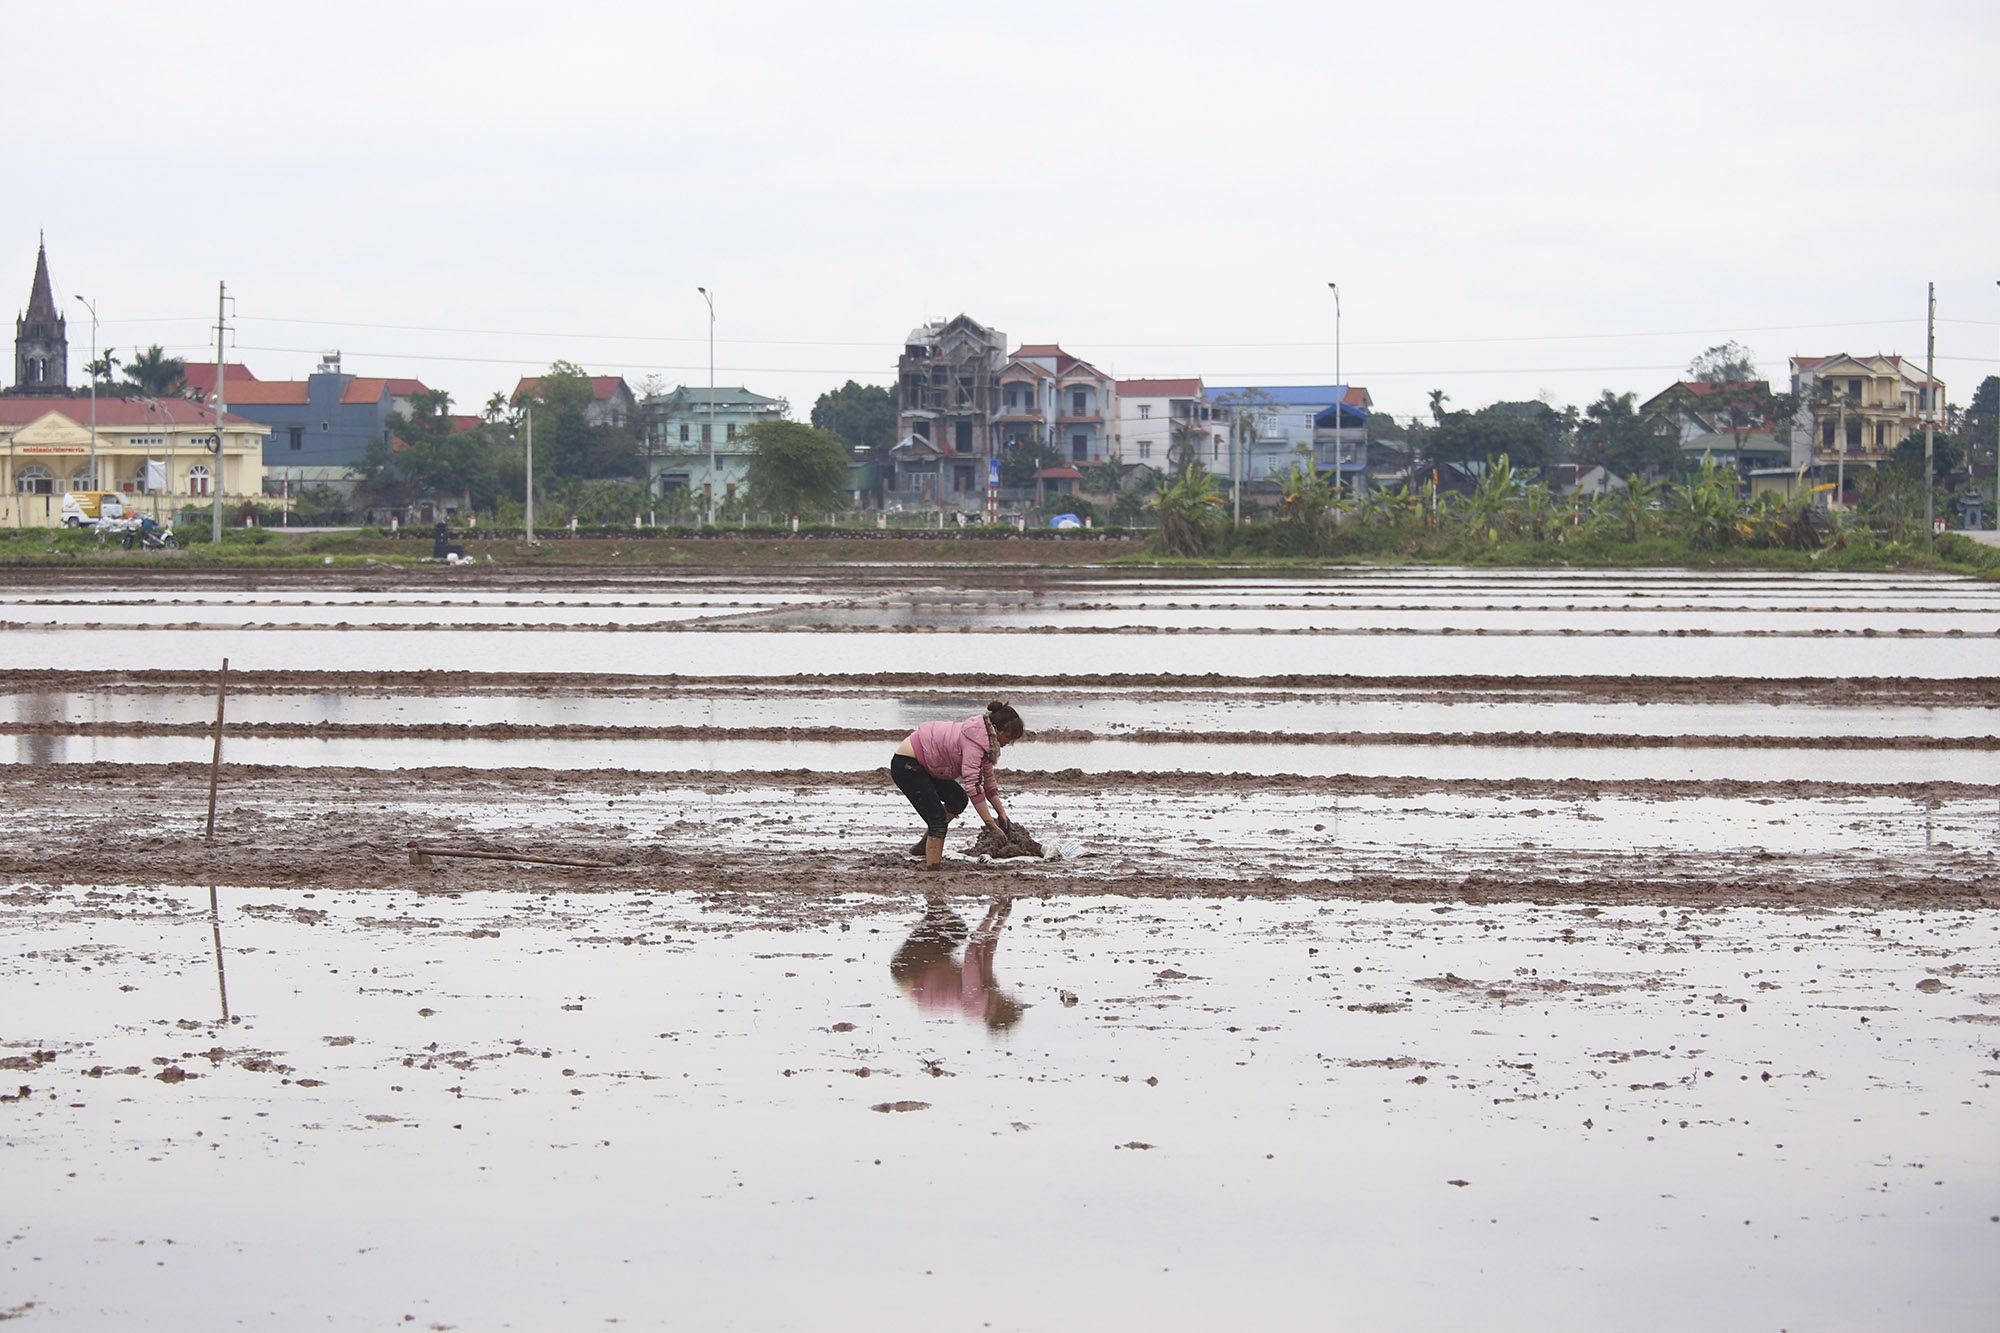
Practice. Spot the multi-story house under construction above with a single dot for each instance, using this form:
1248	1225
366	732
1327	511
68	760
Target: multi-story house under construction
947	400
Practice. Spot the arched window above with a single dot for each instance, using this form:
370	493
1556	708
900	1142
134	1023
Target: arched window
198	479
80	479
35	479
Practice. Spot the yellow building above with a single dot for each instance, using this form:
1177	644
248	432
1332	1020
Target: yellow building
159	454
1854	410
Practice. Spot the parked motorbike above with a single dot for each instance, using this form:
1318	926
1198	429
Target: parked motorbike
150	535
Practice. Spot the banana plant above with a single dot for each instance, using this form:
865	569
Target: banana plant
1186	506
1490	510
1704	508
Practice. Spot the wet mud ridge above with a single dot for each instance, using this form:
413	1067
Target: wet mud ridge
1360	767
790	840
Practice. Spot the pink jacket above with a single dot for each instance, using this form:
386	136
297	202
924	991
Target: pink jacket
958	751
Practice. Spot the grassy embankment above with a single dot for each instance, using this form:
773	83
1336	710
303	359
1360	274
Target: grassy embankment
268	548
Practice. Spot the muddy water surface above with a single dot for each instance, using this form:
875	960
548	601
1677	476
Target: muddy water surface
366	1108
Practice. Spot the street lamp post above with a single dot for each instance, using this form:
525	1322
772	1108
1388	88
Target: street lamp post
709	297
91	306
1930	420
1339	388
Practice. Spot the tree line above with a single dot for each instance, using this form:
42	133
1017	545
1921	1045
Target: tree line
597	470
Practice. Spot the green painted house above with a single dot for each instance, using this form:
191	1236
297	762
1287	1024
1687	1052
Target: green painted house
691	427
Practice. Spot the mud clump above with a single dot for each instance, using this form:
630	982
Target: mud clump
1002	843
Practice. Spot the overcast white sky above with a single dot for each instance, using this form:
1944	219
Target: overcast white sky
1539	199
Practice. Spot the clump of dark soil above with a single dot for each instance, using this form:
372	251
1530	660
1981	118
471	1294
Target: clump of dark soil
999	844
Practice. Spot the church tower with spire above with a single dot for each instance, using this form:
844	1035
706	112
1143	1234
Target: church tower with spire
41	339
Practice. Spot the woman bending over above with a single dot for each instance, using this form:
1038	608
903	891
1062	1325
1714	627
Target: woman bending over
941	766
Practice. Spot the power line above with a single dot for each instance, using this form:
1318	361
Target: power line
1266	375
467	331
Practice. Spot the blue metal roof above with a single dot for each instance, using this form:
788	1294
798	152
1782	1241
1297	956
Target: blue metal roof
1292	395
1320	396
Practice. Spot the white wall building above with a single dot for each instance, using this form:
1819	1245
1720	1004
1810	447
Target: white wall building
1155	414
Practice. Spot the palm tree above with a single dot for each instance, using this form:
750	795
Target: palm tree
154	374
101	368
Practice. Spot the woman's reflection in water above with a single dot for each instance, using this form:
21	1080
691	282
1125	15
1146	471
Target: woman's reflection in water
926	970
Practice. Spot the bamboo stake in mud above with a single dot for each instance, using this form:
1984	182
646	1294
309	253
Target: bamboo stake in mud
421	856
215	921
215	764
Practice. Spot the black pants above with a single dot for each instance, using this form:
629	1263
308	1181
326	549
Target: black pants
938	800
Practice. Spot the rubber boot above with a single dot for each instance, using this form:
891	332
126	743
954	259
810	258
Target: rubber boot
933	853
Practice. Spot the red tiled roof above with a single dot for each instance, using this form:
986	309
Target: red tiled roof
267	393
1806	363
601	387
463	422
201	375
364	389
1703	388
1187	388
115	413
1062	359
1058	473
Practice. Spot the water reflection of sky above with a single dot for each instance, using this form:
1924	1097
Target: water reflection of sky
1190	712
1359	622
1765	764
490	1111
786	653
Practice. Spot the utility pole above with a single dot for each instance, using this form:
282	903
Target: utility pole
1930	419
221	406
528	501
1339	390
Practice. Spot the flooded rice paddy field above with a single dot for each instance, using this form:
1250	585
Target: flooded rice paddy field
1024	623
1557	950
